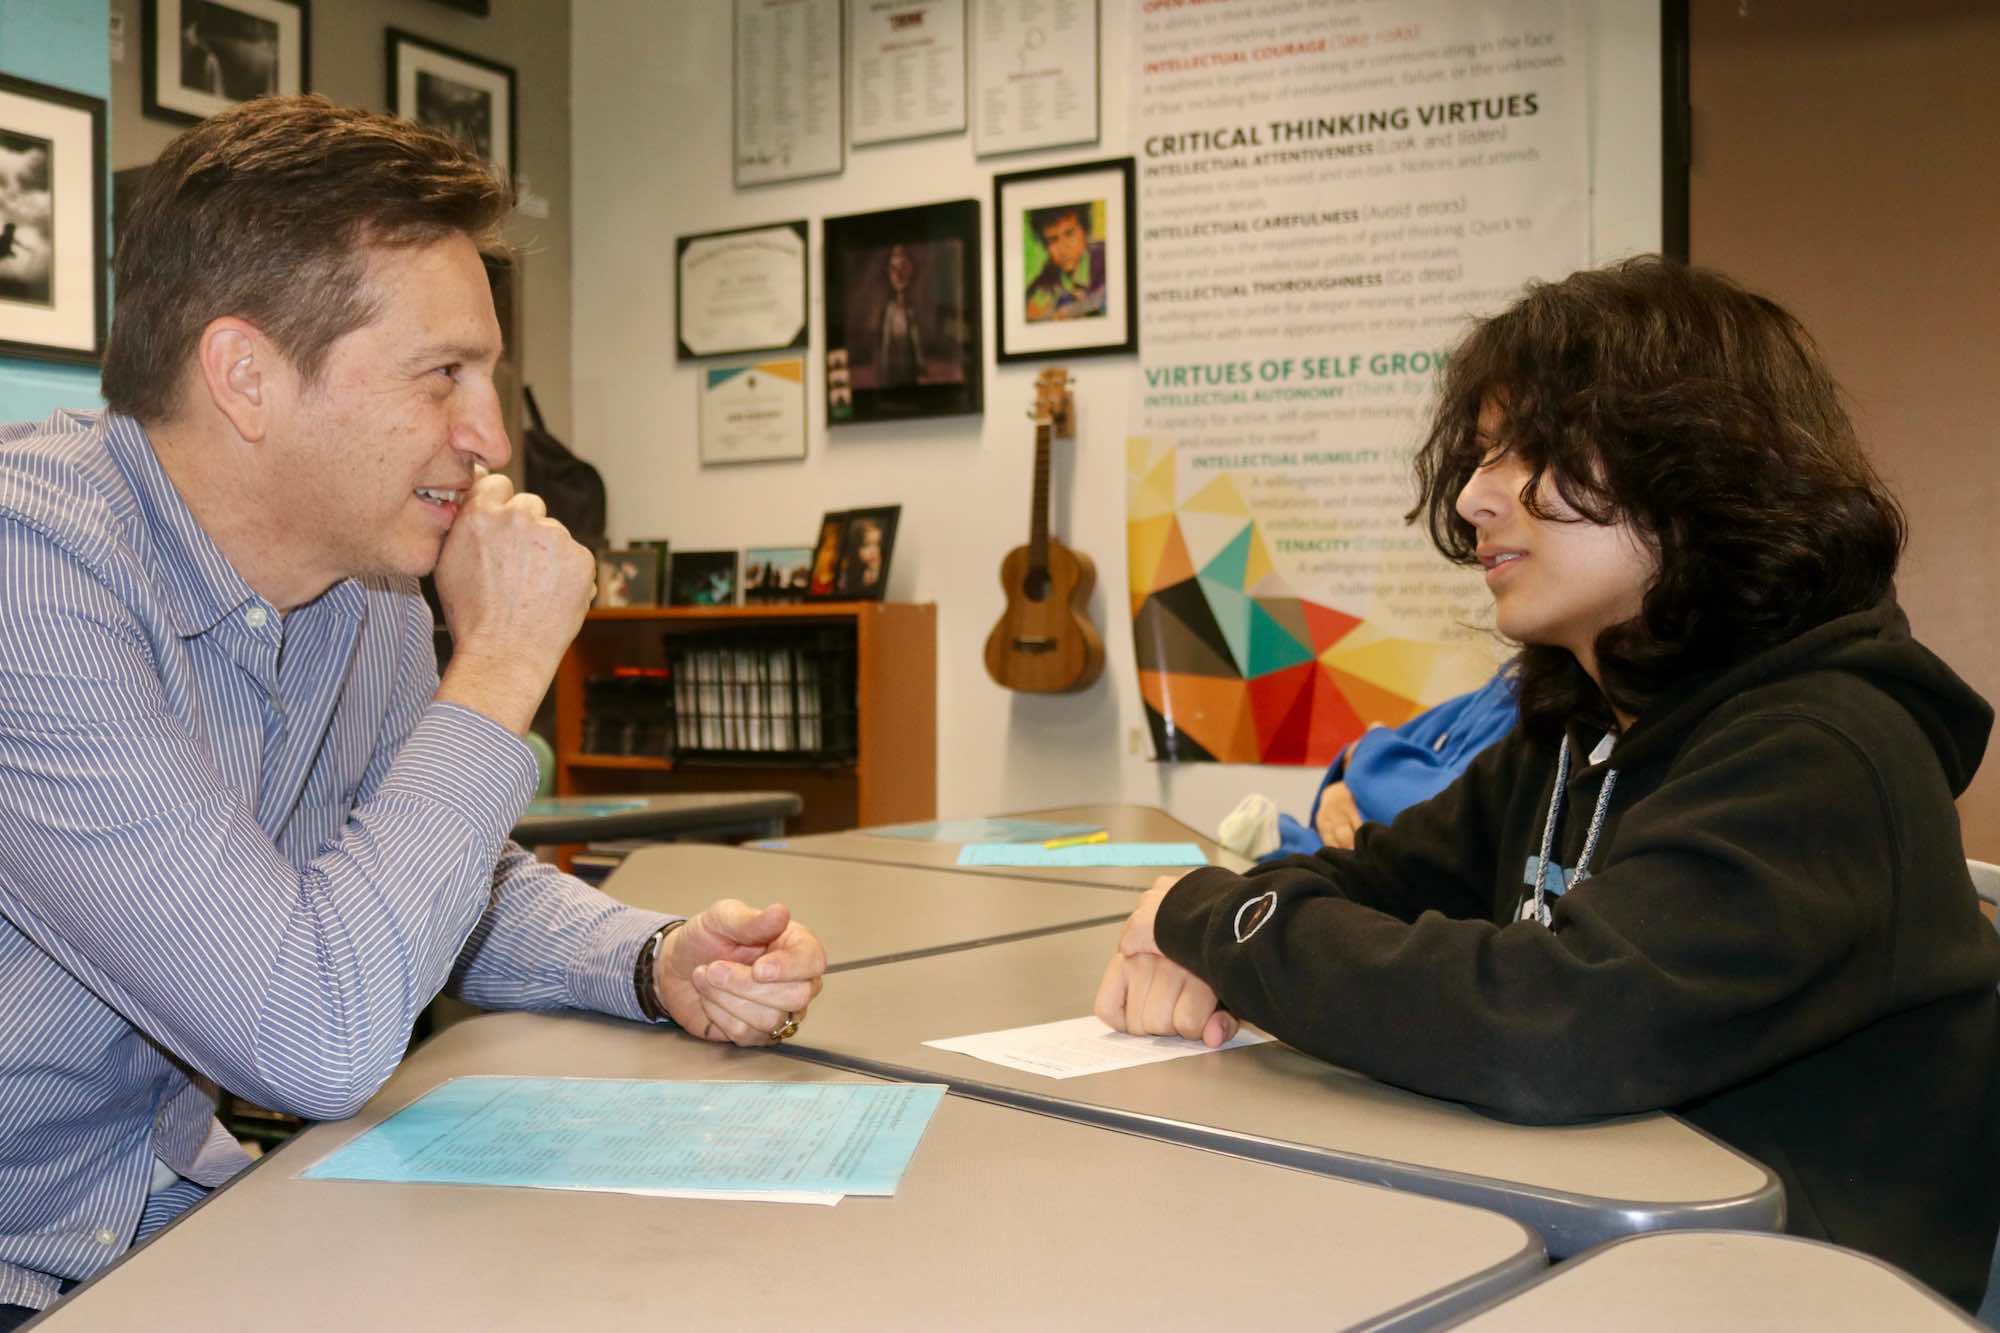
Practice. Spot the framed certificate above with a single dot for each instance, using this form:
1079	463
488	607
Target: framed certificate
741	291
755	413
1036	69
788	94
908	75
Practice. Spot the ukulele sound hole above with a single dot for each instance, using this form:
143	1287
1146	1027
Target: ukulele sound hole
1036	585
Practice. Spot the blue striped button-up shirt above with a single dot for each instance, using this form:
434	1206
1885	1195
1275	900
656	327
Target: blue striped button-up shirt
237	849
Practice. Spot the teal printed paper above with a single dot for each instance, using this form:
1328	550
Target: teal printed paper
641	1135
1084	854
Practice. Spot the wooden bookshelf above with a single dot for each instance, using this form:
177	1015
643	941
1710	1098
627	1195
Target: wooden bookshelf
893	776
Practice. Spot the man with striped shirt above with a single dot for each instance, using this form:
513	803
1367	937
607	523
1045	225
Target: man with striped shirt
246	832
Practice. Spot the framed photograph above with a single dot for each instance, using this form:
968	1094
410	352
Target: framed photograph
902	313
205	56
867	540
702	578
456	92
628	576
773	574
52	273
754	414
1064	263
741	291
826	555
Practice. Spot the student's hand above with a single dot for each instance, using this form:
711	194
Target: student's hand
1339	817
1149	995
1138	936
736	974
514	588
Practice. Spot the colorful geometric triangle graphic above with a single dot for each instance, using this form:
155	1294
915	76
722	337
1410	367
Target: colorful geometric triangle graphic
1234	665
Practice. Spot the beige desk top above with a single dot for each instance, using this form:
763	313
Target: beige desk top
863	912
1125	823
1004	1220
1575	1185
1722	1281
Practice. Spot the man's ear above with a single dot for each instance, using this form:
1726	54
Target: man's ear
242	373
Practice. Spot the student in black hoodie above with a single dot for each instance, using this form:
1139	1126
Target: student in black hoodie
1716	869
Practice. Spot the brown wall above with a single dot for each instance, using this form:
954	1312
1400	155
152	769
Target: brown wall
1847	162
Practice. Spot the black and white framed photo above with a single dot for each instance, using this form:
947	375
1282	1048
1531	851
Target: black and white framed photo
205	56
1065	267
455	92
902	313
52	284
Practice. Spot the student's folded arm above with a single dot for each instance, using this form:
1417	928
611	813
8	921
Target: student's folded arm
1436	856
127	857
1717	940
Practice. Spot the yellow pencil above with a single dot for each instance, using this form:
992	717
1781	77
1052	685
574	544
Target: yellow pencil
1079	840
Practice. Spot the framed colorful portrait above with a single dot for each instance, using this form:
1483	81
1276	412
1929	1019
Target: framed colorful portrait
455	92
902	313
205	56
52	280
1065	267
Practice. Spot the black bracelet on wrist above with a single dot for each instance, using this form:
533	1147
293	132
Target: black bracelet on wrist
642	973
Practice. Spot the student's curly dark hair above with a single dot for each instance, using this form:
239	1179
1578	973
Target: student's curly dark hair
1671	398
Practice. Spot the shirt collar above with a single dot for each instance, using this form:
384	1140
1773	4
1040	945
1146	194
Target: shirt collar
202	587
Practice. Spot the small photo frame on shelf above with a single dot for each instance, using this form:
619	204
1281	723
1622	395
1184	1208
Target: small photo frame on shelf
457	93
867	540
628	576
902	313
701	578
1065	265
205	56
826	555
52	271
775	574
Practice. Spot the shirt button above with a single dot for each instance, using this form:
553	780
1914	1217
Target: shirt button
254	617
106	1236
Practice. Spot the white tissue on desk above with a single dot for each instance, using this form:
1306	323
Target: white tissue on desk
1251	829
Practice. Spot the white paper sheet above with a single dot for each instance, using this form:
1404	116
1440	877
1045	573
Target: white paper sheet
1072	1047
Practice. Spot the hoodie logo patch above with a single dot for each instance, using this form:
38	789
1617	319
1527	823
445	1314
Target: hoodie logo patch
1252	915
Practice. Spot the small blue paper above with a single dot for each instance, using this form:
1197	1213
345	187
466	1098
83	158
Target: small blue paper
982	830
645	1135
1034	856
571	805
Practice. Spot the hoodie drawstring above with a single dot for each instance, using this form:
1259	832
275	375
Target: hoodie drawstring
1542	913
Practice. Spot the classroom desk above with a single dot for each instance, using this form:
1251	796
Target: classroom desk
1125	823
863	913
1575	1185
753	814
1003	1220
1722	1280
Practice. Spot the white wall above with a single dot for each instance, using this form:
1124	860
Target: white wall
651	125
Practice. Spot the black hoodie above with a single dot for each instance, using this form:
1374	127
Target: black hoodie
1775	938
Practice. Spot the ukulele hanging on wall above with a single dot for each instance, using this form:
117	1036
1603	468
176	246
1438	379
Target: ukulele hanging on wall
1044	644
